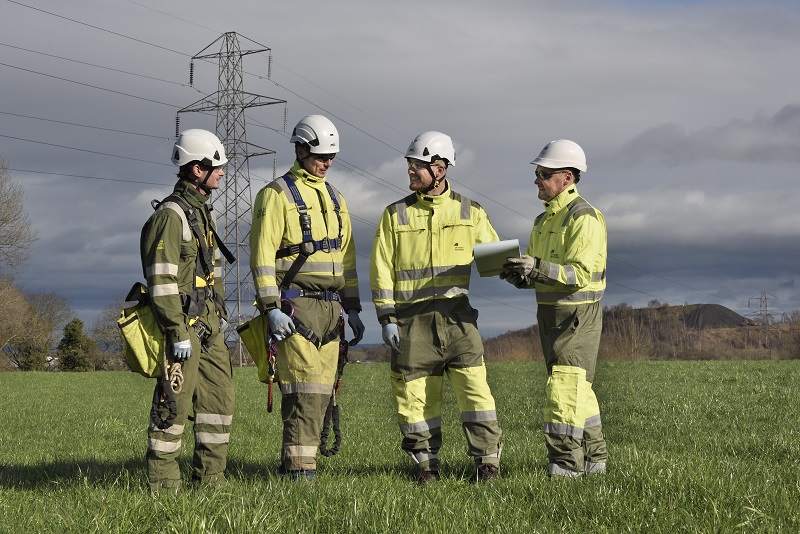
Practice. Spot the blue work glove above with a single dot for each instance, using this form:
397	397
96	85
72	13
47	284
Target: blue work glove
391	336
280	324
356	326
182	350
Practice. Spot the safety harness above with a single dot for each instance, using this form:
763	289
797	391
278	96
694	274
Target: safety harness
309	245
303	250
193	304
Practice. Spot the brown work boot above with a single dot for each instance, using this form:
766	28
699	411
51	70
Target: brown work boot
486	472
427	476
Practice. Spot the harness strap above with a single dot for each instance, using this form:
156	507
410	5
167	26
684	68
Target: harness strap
319	295
308	246
313	338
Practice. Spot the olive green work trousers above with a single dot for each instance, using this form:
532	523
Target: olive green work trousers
570	337
208	393
440	337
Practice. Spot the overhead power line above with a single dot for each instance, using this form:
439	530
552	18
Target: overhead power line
84	150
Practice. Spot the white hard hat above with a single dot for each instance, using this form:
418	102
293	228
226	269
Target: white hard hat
431	146
561	153
318	133
198	145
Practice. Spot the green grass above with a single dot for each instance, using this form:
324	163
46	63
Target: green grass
694	447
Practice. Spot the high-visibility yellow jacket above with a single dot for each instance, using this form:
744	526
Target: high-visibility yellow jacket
423	249
570	239
276	224
169	253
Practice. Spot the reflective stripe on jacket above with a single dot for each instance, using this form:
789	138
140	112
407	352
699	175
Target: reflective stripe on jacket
423	249
570	239
276	224
169	260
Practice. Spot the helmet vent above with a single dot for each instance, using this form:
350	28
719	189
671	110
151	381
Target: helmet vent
216	155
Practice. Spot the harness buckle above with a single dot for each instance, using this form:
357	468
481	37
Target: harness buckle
307	248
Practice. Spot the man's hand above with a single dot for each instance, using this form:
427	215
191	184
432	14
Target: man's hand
182	350
517	280
356	325
523	265
391	336
280	324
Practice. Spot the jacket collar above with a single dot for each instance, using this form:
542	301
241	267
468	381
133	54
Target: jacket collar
306	177
562	199
190	194
438	200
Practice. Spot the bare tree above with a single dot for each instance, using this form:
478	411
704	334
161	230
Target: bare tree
16	234
52	309
24	338
105	332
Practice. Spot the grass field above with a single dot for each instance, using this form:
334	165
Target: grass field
694	447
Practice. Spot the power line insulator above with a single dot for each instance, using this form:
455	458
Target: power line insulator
191	74
177	125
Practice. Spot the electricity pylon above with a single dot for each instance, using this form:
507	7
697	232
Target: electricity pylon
230	102
764	315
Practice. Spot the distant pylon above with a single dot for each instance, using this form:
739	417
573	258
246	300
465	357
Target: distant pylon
764	315
234	217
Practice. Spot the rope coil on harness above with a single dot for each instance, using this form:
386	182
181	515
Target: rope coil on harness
164	395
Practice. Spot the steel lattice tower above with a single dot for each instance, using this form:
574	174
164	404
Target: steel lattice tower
234	218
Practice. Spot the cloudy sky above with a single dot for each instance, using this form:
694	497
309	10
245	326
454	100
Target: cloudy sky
689	113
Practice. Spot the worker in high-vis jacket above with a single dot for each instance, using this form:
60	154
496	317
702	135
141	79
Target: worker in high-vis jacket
183	268
303	262
419	277
565	264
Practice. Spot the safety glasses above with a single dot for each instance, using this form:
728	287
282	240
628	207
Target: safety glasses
324	157
540	174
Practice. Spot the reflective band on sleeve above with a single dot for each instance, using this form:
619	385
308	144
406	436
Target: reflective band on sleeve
162	268
211	437
163	446
572	278
213	419
383	294
422	426
267	291
264	270
163	290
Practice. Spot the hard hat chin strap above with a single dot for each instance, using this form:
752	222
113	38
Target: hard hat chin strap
435	183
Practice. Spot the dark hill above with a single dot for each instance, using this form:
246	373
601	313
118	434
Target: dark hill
702	316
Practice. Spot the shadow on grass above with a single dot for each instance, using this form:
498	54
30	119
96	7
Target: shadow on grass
132	473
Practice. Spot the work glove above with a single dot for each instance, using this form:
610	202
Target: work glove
356	325
182	350
391	336
523	265
223	324
280	324
519	281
